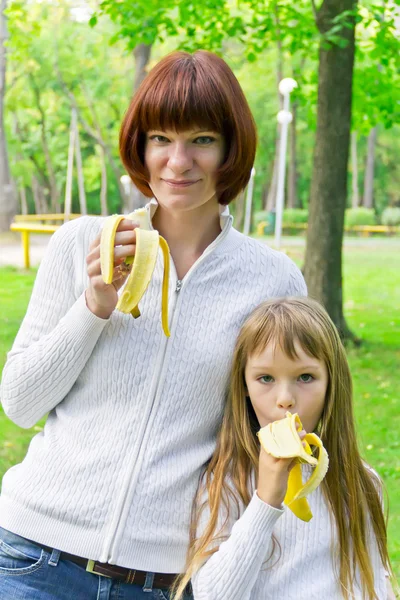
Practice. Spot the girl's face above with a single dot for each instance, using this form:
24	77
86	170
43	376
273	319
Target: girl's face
183	167
276	384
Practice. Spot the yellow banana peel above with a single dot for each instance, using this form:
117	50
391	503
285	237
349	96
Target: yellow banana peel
148	241
281	440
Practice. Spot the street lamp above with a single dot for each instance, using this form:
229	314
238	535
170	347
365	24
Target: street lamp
286	87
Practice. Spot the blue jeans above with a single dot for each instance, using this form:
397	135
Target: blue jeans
27	572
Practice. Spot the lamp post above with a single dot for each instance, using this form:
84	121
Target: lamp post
286	87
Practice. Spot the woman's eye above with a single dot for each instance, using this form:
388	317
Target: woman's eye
204	140
266	379
161	139
306	378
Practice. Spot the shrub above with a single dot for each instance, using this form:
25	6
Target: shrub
359	216
391	216
295	215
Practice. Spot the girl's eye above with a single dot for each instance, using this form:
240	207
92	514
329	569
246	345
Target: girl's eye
204	140
161	139
266	379
306	378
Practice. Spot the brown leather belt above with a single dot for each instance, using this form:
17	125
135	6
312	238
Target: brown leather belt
161	580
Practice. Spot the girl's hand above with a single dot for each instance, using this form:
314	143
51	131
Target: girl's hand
273	475
102	298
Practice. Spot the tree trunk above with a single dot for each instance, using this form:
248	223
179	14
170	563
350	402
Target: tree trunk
270	199
79	168
239	211
355	197
8	197
103	190
141	54
22	195
41	207
292	199
323	262
54	192
70	165
368	198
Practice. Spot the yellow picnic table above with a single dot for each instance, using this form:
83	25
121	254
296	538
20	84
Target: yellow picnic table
27	224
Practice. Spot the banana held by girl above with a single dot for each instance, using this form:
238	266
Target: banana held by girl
281	440
143	263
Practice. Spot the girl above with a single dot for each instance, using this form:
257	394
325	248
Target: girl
288	357
100	506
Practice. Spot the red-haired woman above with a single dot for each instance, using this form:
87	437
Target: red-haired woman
100	506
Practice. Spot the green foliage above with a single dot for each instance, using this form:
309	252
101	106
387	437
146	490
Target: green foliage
295	215
391	216
359	216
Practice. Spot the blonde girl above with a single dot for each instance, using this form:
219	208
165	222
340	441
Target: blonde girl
288	357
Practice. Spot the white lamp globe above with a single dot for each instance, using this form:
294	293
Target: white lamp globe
287	85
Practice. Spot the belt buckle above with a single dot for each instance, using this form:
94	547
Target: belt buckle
90	569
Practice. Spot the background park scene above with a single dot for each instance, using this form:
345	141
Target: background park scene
68	69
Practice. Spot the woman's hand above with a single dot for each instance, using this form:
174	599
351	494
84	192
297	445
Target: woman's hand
273	475
102	298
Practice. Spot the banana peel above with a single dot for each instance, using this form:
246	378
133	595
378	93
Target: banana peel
281	440
148	241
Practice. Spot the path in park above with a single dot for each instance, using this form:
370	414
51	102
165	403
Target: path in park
11	248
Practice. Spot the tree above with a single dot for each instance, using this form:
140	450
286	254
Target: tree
323	262
8	200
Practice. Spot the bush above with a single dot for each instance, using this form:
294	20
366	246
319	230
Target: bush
391	216
295	215
359	216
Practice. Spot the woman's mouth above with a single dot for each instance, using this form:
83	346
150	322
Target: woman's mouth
180	183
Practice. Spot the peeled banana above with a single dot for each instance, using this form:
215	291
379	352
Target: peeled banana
143	263
281	439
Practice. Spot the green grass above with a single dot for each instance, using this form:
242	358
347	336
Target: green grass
371	301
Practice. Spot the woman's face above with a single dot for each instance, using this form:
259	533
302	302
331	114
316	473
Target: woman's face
183	167
277	383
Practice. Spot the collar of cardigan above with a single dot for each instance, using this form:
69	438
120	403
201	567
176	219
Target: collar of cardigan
224	214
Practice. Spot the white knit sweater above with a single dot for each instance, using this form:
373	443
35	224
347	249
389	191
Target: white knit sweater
303	564
133	415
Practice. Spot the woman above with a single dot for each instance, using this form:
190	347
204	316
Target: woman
100	506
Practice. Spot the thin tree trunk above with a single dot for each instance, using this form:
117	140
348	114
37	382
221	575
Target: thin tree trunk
239	211
368	198
323	262
270	200
103	190
8	197
141	55
41	207
81	182
355	197
54	192
292	198
22	196
70	167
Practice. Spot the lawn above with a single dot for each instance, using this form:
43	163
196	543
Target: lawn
372	303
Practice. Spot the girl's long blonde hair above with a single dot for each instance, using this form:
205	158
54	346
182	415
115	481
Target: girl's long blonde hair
351	489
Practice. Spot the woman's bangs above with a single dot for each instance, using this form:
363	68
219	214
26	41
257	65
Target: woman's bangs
187	103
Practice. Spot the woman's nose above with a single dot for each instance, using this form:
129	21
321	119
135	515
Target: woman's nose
180	159
285	398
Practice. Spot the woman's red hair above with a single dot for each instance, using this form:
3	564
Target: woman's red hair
182	91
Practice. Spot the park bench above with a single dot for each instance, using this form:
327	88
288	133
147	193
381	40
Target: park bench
365	230
45	224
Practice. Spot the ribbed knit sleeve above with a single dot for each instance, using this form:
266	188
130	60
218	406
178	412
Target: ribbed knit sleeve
232	571
56	336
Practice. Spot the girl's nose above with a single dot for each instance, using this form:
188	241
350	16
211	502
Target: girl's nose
180	159
285	398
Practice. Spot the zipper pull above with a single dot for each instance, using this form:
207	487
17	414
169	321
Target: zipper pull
178	285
